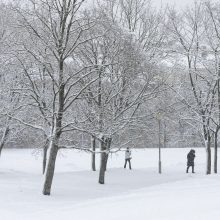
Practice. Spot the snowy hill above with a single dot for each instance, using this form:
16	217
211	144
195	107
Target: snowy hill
140	193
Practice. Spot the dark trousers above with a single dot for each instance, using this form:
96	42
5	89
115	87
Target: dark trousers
187	170
129	161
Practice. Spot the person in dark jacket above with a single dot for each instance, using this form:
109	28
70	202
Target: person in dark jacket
190	160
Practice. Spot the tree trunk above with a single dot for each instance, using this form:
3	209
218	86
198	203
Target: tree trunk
45	148
105	146
50	169
216	153
93	143
165	135
4	138
108	144
208	155
106	161
57	130
102	162
217	129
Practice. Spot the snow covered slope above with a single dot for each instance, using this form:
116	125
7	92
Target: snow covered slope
140	193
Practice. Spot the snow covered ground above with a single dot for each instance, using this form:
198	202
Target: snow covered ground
140	193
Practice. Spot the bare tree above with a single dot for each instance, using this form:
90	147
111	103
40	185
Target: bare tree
189	41
124	78
55	29
9	78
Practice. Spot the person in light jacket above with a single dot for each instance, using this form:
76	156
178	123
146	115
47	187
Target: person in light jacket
128	157
190	160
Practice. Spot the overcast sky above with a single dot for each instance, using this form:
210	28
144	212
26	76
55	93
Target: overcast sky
178	3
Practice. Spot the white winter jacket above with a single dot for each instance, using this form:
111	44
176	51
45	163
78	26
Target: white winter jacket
127	154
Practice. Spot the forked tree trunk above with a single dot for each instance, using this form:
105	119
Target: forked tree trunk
93	143
216	153
50	168
45	149
4	138
57	130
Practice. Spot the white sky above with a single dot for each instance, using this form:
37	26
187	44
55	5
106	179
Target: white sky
178	3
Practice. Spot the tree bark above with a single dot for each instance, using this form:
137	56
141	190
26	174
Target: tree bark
108	144
218	128
106	161
216	153
50	169
208	155
93	143
45	148
105	146
4	138
57	133
165	135
102	162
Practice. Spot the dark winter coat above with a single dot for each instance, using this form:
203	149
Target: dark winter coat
190	158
